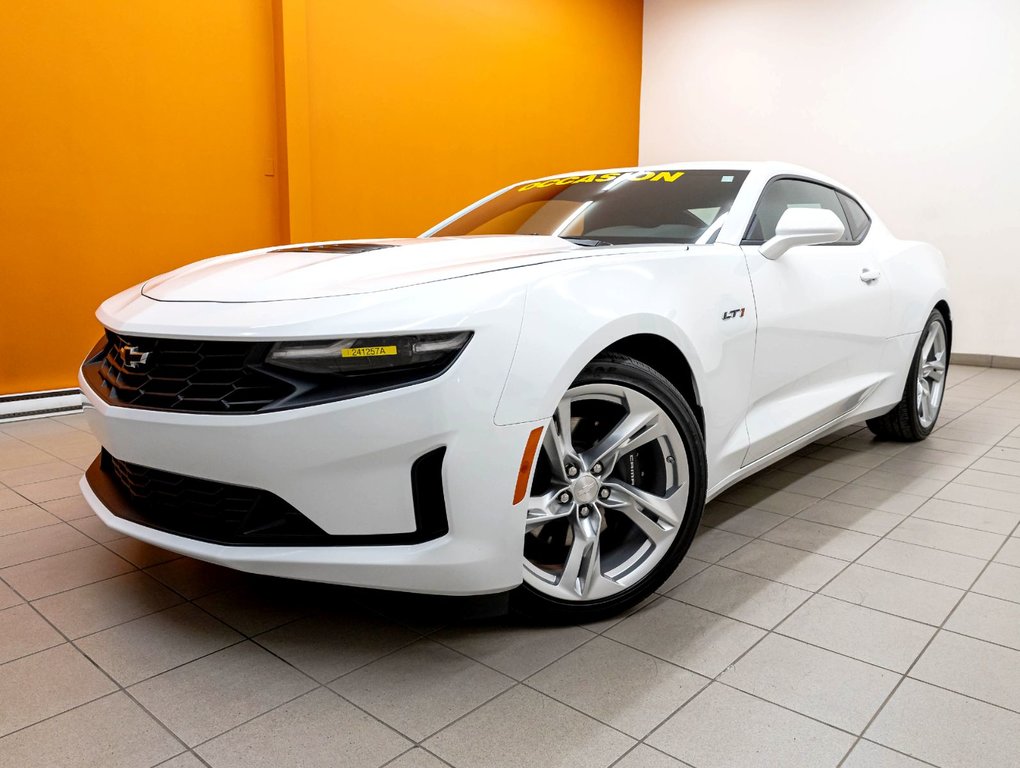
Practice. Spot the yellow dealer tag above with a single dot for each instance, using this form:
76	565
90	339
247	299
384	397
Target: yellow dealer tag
368	351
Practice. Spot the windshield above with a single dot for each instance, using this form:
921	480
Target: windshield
610	208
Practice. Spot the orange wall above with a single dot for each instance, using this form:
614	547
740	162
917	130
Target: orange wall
136	137
140	136
418	108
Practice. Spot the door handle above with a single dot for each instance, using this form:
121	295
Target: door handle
870	275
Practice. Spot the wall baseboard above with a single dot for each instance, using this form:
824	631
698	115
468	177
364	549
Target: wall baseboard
34	405
986	361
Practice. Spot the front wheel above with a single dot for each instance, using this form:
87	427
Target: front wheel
618	491
914	417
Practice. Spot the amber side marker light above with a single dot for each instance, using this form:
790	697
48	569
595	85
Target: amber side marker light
526	461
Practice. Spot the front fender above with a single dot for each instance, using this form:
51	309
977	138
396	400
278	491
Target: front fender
571	315
540	373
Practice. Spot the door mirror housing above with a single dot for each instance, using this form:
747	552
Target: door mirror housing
802	226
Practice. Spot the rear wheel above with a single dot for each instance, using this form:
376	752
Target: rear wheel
915	416
618	490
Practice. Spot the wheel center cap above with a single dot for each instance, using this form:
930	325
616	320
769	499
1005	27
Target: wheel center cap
586	489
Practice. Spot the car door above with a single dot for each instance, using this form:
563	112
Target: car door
823	316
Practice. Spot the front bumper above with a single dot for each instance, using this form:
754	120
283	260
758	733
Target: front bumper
348	488
346	466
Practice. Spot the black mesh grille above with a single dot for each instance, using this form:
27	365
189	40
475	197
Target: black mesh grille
233	514
184	375
205	509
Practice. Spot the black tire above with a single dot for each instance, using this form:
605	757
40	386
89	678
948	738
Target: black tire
902	423
622	370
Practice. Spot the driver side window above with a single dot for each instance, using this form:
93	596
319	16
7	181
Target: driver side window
791	193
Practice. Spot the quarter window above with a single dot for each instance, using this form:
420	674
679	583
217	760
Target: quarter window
859	220
783	194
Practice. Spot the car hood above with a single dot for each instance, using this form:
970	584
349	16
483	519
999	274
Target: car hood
347	267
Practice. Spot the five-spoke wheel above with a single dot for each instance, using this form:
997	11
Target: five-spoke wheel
616	492
931	373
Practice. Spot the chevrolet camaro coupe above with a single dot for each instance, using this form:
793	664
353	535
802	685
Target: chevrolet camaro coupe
535	397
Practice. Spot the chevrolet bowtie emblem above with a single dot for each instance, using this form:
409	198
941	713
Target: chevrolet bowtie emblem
132	357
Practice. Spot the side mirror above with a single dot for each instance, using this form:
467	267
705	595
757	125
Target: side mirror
802	226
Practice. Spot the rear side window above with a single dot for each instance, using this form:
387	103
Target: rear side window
859	221
783	194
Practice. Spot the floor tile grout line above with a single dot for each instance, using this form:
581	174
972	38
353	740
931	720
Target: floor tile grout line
52	554
814	592
421	743
956	525
894	455
843	600
34	528
103	581
123	689
119	688
106	695
770	632
972	468
411	749
95	542
523	682
637	650
185	601
821	593
860	739
775	630
328	685
621	758
317	684
904	517
953	691
927	645
316	687
716	678
13	488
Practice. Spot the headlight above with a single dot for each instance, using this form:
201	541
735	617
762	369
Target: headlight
364	355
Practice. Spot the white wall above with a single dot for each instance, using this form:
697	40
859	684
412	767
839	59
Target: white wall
914	104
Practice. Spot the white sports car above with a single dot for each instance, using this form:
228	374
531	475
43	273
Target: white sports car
538	394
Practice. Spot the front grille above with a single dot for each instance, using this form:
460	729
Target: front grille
223	513
224	377
194	376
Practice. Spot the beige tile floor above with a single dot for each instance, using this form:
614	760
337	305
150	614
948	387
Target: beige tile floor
857	606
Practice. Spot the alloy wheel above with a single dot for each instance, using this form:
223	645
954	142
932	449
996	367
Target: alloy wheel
609	495
931	374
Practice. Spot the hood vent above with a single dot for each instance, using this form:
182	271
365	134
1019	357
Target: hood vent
347	248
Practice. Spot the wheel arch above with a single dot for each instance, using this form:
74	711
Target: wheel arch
943	306
665	357
540	375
